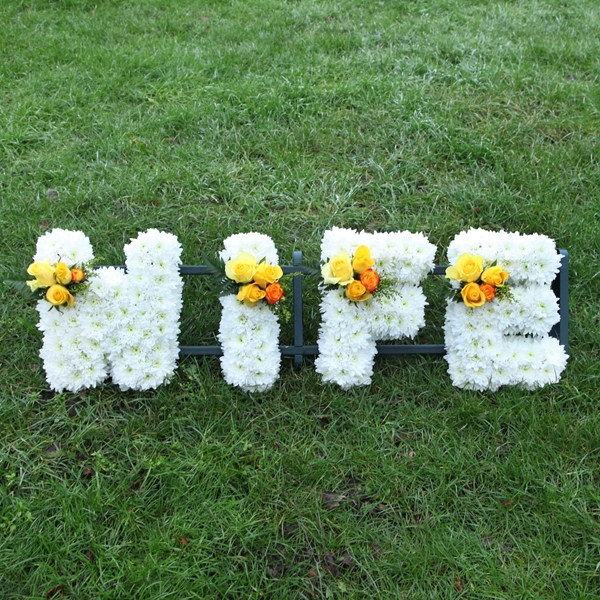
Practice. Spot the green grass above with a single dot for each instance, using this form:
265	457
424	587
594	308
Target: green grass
287	117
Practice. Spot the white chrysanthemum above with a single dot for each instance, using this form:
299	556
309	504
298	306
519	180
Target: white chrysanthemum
348	329
249	335
346	347
74	337
111	326
506	343
261	246
337	240
153	253
70	247
107	282
529	259
143	354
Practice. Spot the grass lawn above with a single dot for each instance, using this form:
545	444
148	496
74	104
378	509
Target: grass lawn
206	118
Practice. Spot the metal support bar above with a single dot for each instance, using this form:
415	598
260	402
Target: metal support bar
298	318
560	286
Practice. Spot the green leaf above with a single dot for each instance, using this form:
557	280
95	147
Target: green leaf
222	285
227	287
311	271
214	265
20	287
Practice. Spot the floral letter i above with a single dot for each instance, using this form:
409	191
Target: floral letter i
371	292
497	326
249	330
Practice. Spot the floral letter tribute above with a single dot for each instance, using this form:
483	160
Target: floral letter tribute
376	296
102	322
249	329
495	334
145	348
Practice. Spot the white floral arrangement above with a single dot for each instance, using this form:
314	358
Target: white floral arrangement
144	349
359	311
504	341
249	328
125	325
72	247
72	348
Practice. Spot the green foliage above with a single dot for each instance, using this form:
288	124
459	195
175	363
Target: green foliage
222	285
288	117
19	286
312	271
387	287
504	293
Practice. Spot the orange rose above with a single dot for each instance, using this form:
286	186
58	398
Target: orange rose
77	275
370	279
357	292
274	293
473	295
488	290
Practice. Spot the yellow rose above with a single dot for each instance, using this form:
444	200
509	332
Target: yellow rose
357	292
242	268
250	294
266	274
495	276
362	260
43	273
62	273
338	270
467	268
59	295
473	295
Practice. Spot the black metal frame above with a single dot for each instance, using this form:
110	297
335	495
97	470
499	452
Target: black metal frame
560	286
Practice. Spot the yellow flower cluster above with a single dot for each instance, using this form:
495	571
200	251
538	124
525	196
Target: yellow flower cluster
480	283
340	270
55	278
261	279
